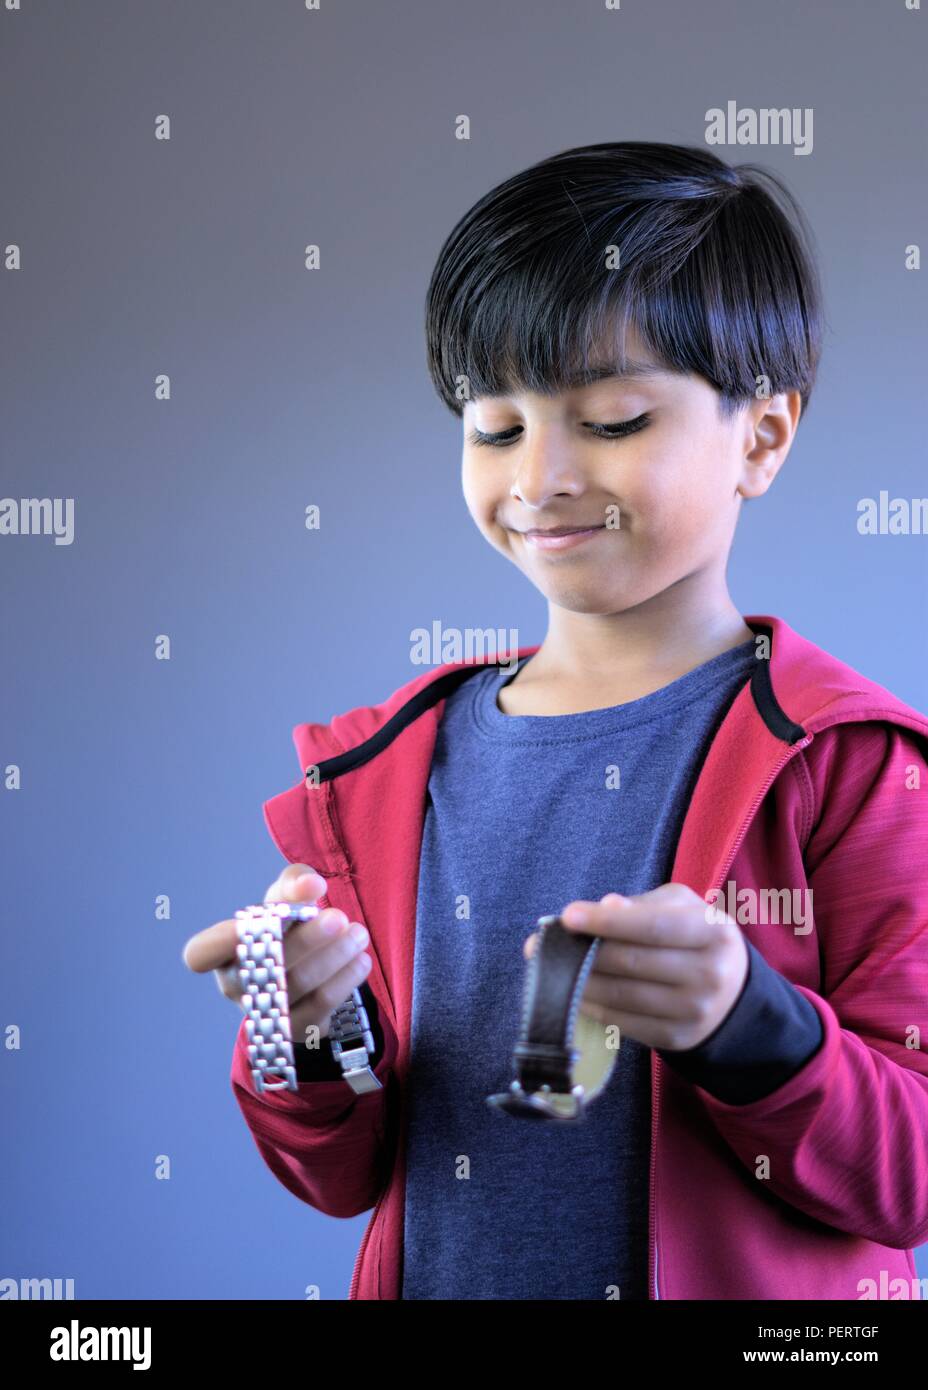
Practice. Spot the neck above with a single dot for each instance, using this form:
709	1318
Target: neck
666	636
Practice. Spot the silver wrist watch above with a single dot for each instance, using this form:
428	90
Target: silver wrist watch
261	970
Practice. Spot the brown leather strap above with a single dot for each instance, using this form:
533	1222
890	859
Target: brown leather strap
544	1054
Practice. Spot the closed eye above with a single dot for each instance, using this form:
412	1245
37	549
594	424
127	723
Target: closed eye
618	430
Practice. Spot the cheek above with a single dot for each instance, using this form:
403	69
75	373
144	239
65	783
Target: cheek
480	498
470	495
680	494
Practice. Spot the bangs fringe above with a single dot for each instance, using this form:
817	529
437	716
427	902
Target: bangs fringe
713	272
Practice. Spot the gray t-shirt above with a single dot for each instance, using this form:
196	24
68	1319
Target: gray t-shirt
522	816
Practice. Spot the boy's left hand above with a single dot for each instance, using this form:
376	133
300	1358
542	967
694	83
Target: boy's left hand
663	974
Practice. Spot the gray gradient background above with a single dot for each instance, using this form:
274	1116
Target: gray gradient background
290	388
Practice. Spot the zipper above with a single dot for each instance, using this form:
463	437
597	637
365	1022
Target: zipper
653	1287
652	1215
355	1273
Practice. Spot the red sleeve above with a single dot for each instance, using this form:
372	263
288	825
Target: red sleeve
847	1135
324	1143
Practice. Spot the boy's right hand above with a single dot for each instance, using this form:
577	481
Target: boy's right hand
323	960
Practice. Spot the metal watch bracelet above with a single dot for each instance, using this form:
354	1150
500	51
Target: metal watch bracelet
262	973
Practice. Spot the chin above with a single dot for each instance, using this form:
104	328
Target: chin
582	600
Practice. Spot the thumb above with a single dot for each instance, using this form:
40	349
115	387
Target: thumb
296	883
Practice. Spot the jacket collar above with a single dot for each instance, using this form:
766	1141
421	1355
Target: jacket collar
796	688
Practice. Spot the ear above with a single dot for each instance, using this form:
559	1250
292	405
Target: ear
769	427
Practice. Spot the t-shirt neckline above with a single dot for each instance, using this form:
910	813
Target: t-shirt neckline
689	687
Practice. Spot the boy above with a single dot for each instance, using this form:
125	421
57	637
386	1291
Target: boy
629	333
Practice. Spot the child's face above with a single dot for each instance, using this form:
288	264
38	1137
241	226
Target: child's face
664	499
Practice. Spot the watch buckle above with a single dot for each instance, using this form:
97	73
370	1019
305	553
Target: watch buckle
357	1071
543	1104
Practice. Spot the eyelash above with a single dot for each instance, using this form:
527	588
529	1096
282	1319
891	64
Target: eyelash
622	429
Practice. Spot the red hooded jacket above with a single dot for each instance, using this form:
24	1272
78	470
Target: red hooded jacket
817	779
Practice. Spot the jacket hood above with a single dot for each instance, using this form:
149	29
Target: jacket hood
797	689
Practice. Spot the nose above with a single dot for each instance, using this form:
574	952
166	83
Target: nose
545	470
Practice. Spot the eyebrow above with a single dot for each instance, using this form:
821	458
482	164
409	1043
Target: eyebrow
599	371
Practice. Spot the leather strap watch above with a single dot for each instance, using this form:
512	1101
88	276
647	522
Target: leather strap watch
555	1080
263	976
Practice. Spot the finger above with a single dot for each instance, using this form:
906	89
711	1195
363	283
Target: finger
650	922
644	1028
215	946
212	947
667	965
305	937
306	969
529	945
229	983
643	997
297	883
316	968
318	1007
329	952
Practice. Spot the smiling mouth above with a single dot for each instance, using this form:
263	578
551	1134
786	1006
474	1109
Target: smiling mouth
560	539
560	530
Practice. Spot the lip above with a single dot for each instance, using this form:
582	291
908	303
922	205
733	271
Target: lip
558	539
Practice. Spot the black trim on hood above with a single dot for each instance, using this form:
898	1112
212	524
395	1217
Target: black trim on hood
423	699
768	707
